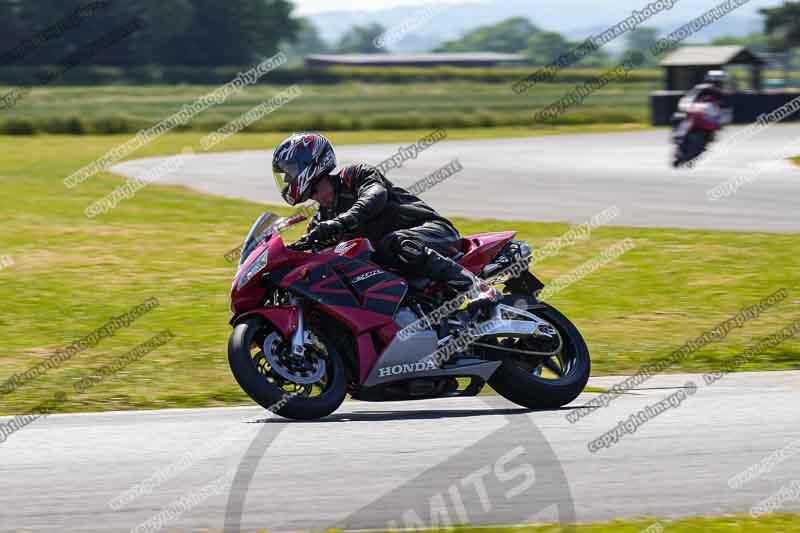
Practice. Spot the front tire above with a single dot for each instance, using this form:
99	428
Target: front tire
274	392
691	148
517	380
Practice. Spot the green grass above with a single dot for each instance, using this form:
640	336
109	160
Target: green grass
71	274
796	160
346	106
776	523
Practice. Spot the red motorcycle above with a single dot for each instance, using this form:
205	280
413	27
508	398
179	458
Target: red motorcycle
695	125
314	323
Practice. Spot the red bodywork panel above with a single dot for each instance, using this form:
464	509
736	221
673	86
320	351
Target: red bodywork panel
345	285
252	294
700	121
357	248
480	249
284	318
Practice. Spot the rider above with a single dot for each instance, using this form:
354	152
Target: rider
359	201
713	91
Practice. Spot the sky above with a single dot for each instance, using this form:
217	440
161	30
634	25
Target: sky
304	7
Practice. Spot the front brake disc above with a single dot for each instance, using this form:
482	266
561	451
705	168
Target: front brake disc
272	344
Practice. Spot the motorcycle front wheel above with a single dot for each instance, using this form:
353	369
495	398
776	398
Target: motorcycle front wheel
555	375
261	361
693	145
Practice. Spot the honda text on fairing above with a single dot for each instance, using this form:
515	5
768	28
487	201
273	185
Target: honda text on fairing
312	324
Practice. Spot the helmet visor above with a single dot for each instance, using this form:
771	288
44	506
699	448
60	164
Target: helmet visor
284	183
290	168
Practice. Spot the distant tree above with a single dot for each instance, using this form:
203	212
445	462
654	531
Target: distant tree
174	32
29	18
308	40
782	24
361	40
597	59
11	32
162	21
509	36
546	47
756	42
233	32
642	40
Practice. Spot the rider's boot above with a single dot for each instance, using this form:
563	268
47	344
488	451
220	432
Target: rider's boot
476	293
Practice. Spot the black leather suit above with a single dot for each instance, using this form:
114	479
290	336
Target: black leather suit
407	234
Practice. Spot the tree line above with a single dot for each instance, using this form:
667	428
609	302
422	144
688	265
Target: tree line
203	33
214	33
518	35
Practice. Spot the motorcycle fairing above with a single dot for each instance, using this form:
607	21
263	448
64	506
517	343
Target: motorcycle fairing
414	356
360	294
355	249
481	248
284	318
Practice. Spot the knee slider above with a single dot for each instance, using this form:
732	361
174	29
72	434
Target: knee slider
410	251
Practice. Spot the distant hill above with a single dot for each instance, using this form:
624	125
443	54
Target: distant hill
572	18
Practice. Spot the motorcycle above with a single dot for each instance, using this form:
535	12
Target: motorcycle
695	126
313	323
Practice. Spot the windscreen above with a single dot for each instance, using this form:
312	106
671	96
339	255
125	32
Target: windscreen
266	224
263	227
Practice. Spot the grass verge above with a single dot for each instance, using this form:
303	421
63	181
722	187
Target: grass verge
71	274
775	523
341	107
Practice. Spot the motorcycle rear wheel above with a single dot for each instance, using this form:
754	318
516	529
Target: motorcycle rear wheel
274	392
520	380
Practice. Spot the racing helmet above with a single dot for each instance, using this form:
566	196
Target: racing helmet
717	77
299	162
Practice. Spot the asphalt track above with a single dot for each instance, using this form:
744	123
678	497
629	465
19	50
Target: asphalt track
557	178
367	464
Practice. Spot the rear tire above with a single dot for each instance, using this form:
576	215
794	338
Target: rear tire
271	396
528	390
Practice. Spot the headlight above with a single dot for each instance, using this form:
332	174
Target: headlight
257	266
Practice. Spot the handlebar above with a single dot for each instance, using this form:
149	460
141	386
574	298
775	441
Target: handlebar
303	244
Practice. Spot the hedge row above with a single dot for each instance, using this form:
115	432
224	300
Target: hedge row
104	125
484	75
149	75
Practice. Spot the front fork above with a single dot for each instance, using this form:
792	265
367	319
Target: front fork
300	337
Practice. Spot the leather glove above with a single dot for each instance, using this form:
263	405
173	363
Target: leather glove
327	231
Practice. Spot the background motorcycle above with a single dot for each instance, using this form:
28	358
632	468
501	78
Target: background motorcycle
312	326
695	127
